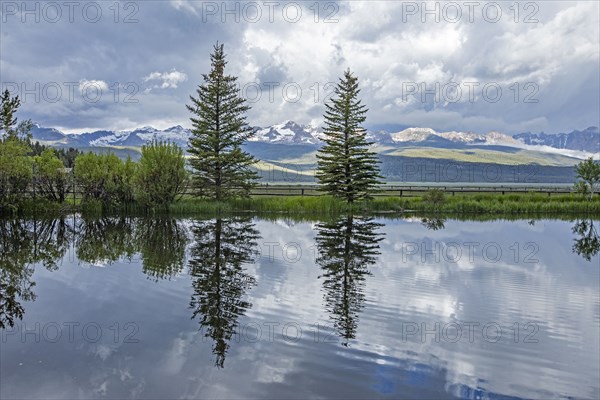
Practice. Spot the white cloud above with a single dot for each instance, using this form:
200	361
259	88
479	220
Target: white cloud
92	86
170	79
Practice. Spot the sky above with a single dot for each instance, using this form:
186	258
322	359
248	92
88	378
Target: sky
467	66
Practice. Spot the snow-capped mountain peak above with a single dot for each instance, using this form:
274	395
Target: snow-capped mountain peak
287	132
413	135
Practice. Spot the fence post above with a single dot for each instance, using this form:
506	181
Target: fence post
73	185
33	181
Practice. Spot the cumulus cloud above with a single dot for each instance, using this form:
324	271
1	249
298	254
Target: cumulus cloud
170	79
86	86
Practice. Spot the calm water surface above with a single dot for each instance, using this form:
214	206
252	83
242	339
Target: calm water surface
253	308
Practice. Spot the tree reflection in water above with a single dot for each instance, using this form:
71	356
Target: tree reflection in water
587	242
161	243
105	240
433	223
23	244
217	259
347	248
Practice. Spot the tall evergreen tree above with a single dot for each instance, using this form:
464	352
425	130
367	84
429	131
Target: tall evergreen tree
346	168
8	107
221	167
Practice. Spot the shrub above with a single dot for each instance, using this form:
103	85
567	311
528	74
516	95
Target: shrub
161	175
15	172
588	172
435	197
581	188
53	180
105	178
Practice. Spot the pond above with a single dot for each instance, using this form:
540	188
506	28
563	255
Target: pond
246	307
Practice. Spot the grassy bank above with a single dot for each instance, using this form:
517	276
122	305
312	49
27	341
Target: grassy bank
490	203
481	203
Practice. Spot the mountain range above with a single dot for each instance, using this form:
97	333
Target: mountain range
577	143
287	152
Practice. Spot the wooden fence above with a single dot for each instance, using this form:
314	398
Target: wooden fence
385	190
411	191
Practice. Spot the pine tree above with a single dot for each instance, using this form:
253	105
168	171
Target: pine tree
221	167
8	107
346	168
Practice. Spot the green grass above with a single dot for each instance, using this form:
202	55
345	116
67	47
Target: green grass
490	203
478	203
478	155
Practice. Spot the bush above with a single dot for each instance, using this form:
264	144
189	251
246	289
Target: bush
581	188
588	172
105	178
161	175
53	180
15	172
435	197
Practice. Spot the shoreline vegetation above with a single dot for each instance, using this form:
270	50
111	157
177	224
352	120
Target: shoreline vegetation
432	203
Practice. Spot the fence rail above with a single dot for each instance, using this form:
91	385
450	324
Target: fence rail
385	190
410	191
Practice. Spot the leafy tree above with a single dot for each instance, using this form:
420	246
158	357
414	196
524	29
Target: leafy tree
582	188
217	259
16	171
346	249
161	175
221	167
52	179
589	173
105	178
434	197
346	168
15	165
